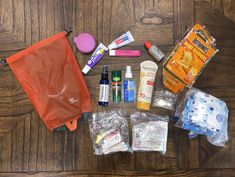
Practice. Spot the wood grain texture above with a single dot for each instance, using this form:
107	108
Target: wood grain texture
25	143
156	173
225	7
218	79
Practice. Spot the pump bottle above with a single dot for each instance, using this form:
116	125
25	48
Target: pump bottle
129	86
104	87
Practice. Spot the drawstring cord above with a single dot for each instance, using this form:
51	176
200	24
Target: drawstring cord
3	62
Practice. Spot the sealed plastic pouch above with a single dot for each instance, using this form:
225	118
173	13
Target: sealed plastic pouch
186	61
164	99
149	132
204	114
109	132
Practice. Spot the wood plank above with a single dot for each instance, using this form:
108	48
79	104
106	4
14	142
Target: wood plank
68	154
229	9
69	16
19	19
9	41
158	173
7	14
152	16
124	161
42	148
59	151
9	123
209	14
183	17
26	149
28	26
232	159
5	152
224	7
79	154
17	148
33	148
12	26
140	159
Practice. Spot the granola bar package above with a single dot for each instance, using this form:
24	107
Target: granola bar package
186	61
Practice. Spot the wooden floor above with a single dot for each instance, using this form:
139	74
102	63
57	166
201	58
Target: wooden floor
26	146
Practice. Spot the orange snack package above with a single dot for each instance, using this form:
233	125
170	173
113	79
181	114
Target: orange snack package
186	61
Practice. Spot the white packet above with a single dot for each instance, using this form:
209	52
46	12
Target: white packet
149	132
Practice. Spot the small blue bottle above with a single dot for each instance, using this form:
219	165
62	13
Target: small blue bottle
129	86
104	87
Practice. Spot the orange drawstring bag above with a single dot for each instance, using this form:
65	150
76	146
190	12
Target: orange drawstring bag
53	81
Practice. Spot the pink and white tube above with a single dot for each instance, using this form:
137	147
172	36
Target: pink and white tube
124	53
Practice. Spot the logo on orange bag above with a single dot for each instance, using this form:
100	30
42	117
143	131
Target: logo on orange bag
72	100
59	95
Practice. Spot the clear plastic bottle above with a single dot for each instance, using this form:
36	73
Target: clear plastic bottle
128	86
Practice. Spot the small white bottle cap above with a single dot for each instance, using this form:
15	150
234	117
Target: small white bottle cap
131	38
128	73
111	52
111	46
86	69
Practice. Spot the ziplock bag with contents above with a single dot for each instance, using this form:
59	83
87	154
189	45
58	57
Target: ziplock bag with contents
109	132
52	79
201	113
149	132
164	99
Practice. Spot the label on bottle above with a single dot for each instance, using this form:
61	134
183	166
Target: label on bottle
129	90
156	53
104	93
117	91
146	87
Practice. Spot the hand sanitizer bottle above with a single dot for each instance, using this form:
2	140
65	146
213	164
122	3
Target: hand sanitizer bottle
129	86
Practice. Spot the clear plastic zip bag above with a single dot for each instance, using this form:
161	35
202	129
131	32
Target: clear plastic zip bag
109	132
204	114
165	99
149	132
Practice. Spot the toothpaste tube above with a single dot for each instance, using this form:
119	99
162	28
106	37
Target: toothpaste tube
125	53
121	41
96	56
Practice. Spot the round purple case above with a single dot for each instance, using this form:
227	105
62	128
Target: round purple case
85	42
